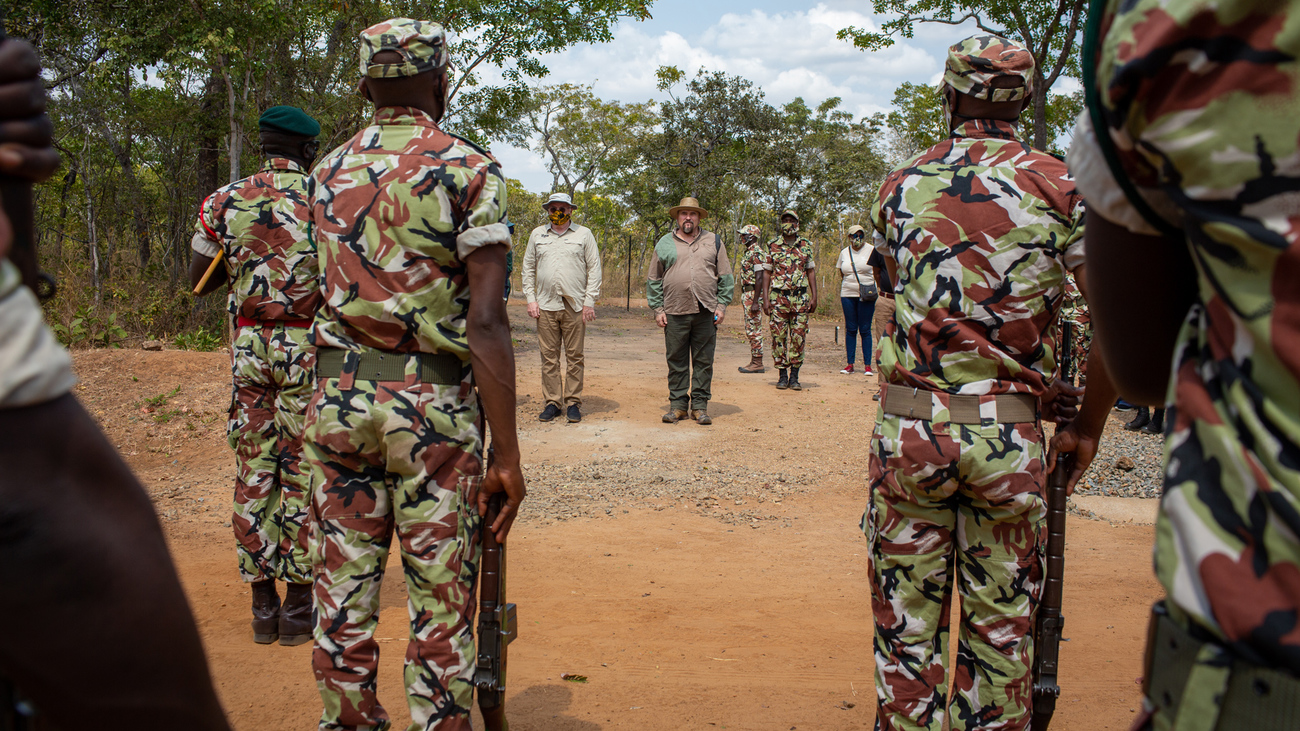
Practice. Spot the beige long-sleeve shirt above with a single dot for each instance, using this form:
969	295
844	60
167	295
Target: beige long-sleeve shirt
562	270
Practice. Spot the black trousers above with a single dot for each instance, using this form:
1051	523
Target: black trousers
689	341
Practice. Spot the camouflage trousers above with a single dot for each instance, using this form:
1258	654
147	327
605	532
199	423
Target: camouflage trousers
954	504
394	457
789	323
753	325
273	378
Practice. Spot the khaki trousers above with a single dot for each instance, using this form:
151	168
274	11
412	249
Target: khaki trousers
555	330
882	318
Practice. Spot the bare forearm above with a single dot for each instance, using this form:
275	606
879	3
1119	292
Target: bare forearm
1138	342
1099	396
80	547
491	354
199	266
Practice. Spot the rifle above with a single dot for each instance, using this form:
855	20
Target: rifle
1048	624
17	195
497	626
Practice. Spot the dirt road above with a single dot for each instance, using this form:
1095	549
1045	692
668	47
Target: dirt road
699	577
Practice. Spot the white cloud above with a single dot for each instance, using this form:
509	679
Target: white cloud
786	53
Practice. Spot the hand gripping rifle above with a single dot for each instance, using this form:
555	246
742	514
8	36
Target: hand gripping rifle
497	627
1047	625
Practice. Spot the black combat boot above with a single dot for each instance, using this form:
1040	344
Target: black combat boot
266	612
295	615
1139	421
794	380
784	381
1157	423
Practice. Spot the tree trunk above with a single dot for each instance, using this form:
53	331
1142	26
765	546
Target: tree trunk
1040	110
92	240
235	135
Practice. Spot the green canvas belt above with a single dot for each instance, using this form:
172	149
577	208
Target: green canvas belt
1253	697
378	365
792	290
1013	408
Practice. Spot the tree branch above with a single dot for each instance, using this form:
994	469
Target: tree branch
1068	47
98	54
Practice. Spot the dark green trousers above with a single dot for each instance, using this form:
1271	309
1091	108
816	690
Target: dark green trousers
688	344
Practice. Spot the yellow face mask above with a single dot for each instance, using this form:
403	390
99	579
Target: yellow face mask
560	216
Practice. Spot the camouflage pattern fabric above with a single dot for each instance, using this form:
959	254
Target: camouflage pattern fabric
393	270
421	44
753	324
750	261
752	258
274	374
1075	310
257	224
395	212
954	503
1202	102
983	229
788	267
390	457
973	63
789	323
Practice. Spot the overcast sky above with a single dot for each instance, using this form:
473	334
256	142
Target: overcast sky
786	49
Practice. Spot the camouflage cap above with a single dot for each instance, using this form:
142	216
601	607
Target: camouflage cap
421	43
976	61
856	229
789	212
750	230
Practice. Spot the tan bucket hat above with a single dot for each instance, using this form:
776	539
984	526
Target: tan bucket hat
688	204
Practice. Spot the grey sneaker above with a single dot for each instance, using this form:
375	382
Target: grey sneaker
573	415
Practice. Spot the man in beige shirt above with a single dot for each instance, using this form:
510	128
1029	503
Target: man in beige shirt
689	287
561	279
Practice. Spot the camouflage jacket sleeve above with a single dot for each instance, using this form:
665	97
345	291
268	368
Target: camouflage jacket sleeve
654	287
483	204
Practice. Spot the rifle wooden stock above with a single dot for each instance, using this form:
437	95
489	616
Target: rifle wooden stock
1048	623
497	626
212	269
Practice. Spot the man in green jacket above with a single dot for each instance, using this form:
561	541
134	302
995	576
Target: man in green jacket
690	285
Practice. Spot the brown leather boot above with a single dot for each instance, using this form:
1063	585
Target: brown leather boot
755	365
295	615
266	612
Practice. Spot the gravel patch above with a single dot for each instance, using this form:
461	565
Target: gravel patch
609	486
1128	464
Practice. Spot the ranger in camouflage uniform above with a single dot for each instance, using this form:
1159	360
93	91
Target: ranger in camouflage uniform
751	294
258	226
409	221
789	297
958	463
1199	107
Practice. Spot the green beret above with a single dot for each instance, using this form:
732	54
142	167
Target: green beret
290	120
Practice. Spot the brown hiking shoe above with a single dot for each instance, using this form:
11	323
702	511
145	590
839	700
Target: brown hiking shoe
701	417
755	366
266	612
674	416
295	615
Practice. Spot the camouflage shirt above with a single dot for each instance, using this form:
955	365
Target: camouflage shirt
752	258
395	211
259	224
788	266
983	229
1202	100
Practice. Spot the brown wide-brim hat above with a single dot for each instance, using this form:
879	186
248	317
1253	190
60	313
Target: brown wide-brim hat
688	204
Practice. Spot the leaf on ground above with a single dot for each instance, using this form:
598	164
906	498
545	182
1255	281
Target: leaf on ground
573	677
